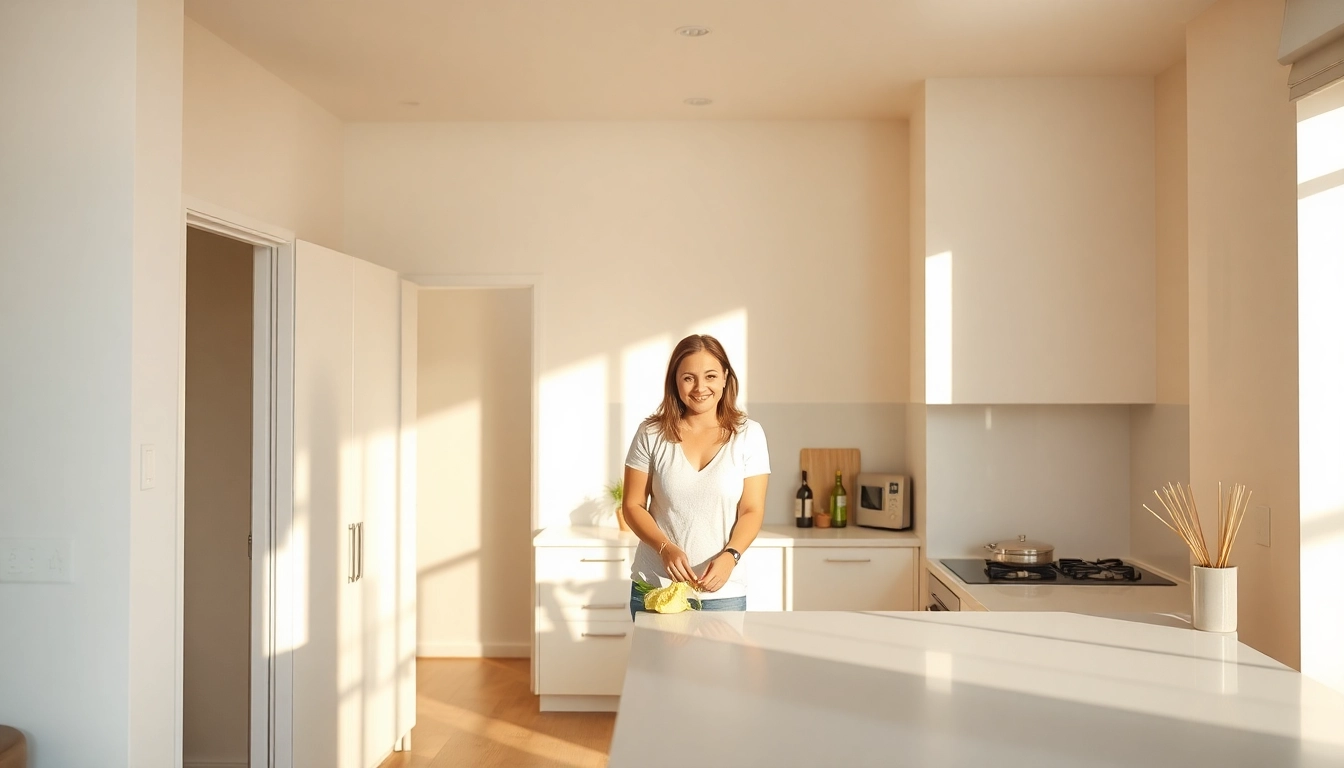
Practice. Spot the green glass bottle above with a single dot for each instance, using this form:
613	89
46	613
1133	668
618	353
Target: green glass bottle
839	504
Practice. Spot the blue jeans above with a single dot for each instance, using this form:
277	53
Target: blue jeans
717	604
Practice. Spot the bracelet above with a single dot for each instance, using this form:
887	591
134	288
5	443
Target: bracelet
660	549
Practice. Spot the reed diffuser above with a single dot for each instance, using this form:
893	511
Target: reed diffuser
1213	582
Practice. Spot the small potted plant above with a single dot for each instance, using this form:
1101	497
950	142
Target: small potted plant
616	491
1213	579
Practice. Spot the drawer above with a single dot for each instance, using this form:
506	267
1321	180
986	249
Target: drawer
853	579
765	578
584	658
573	577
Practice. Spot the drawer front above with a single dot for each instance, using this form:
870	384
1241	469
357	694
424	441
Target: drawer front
765	578
574	577
584	658
941	598
853	579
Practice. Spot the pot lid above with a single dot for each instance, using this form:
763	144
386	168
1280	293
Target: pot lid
1023	546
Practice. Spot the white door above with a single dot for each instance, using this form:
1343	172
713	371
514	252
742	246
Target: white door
328	700
377	414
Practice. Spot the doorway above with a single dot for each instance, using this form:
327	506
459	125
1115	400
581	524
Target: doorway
235	508
217	501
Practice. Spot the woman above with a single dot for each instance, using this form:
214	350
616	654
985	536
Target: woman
701	466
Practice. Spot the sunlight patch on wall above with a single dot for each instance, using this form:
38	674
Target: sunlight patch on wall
572	439
449	501
1320	150
730	329
938	328
642	368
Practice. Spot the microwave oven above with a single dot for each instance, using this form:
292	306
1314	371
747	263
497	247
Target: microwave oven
884	501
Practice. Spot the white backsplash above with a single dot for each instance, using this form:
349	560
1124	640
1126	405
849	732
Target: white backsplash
1057	473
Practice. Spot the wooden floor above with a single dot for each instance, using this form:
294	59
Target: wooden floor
479	713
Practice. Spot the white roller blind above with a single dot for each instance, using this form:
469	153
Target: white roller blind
1313	43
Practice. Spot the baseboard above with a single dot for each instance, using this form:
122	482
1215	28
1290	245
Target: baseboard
555	703
474	650
212	764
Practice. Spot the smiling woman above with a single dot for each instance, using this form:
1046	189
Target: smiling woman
695	480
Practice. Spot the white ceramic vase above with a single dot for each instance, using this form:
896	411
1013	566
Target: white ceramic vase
1214	592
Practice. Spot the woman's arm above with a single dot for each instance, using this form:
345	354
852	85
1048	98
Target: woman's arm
750	516
643	525
750	513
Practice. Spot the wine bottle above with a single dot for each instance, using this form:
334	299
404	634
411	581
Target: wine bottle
802	505
839	504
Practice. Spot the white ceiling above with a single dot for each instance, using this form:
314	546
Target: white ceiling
620	59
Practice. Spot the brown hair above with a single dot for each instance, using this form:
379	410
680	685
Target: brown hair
671	410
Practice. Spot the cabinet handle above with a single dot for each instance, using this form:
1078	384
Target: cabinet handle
612	607
597	560
848	560
359	563
604	634
350	553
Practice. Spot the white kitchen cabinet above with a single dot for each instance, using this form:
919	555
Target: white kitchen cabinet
1033	265
583	624
582	619
347	515
853	578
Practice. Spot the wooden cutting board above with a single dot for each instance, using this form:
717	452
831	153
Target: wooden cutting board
820	464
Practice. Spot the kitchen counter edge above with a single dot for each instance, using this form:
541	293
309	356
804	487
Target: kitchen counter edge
770	536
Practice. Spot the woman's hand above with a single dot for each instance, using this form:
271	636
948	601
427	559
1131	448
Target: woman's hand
717	572
675	563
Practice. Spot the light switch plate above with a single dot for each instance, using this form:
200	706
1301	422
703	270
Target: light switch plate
146	466
1260	519
35	560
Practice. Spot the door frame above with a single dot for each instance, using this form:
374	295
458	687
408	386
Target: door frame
536	282
271	670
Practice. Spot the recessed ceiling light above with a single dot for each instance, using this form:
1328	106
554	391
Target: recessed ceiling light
410	103
699	101
693	31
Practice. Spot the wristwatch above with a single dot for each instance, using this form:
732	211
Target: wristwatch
737	556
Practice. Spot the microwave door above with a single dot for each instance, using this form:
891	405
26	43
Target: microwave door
870	497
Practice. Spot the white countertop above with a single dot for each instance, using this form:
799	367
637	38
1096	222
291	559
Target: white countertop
814	689
770	536
1089	598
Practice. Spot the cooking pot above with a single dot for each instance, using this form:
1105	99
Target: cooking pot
1022	552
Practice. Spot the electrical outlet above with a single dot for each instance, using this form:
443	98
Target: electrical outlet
35	560
1260	519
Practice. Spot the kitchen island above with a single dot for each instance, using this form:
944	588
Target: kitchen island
961	689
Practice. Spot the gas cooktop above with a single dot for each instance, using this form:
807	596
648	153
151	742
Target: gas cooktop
1071	572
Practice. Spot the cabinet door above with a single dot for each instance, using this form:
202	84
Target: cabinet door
327	629
853	579
377	414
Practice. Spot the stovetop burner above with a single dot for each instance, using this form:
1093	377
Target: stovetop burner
1067	571
1110	569
997	571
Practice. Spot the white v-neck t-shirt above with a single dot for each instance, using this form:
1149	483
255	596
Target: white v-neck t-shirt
696	509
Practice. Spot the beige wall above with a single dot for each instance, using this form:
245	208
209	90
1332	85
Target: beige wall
1039	212
218	488
254	145
1173	262
1243	299
1159	453
474	471
155	379
787	240
1159	434
90	175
